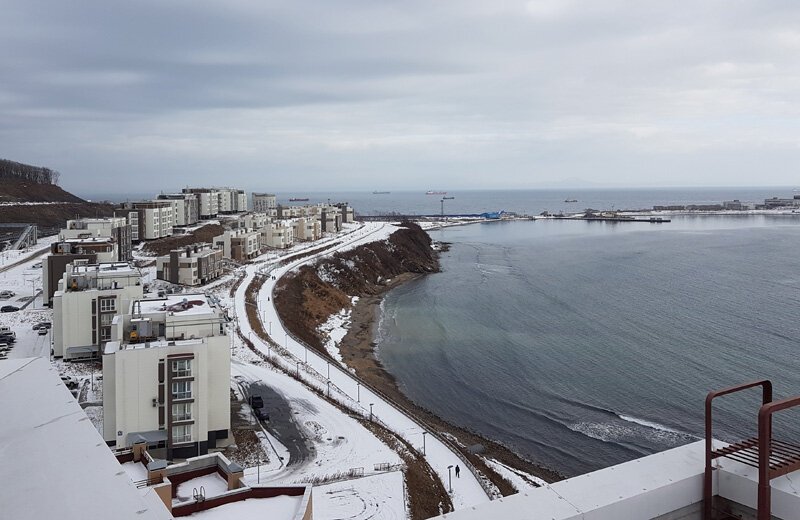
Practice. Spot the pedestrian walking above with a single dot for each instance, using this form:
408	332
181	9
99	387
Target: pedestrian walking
458	471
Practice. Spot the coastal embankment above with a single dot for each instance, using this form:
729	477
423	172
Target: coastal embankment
306	299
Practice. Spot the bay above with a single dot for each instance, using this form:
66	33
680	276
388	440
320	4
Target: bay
585	344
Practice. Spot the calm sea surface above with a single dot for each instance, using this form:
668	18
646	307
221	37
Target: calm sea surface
584	344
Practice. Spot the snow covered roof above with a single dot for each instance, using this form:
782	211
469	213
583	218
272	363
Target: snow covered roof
179	304
109	269
55	463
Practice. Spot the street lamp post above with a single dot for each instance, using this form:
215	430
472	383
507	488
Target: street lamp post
306	355
329	370
423	442
329	387
298	369
370	411
450	477
358	392
270	328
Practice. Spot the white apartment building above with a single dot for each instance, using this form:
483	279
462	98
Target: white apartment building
213	201
306	228
254	221
85	303
192	265
239	244
185	209
149	220
166	376
114	228
265	203
278	234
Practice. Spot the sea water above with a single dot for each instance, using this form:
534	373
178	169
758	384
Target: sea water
585	344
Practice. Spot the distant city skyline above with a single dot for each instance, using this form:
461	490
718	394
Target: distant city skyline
357	95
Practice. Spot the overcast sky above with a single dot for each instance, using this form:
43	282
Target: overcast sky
281	95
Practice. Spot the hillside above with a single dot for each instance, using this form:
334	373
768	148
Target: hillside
15	190
28	195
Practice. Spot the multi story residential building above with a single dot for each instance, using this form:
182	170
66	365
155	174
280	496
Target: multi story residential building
192	265
306	228
254	221
239	244
213	201
149	220
185	208
166	376
94	250
265	203
88	298
331	219
116	228
278	235
348	215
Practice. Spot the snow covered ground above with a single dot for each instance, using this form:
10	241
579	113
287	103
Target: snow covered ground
340	443
277	508
377	496
213	485
335	329
467	491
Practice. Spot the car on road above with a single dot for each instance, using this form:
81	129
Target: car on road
256	402
42	332
4	295
42	325
9	308
261	414
7	335
5	347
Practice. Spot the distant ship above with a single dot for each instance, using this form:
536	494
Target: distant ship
571	200
448	198
435	193
381	192
298	200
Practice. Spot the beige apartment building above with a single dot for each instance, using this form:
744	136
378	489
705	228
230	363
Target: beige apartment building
166	376
88	299
306	228
239	244
265	203
193	265
278	235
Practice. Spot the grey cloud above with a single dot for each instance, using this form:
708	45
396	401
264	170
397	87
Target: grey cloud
472	93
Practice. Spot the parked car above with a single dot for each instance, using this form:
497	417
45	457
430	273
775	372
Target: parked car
9	308
43	331
7	335
37	266
4	295
261	414
5	347
70	382
42	325
256	402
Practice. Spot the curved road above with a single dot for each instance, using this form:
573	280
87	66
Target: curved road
466	491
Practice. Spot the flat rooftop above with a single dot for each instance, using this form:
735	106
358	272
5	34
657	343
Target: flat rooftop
176	304
55	463
115	346
109	269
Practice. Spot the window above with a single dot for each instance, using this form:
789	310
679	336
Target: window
182	368
182	412
105	333
108	305
106	319
182	390
182	433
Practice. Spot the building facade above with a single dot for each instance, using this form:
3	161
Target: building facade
265	203
85	304
192	265
185	209
166	376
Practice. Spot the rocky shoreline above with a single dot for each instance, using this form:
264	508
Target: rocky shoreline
306	299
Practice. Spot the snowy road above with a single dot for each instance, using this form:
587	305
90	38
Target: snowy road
466	491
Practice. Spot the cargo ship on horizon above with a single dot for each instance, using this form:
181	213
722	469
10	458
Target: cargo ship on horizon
431	192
